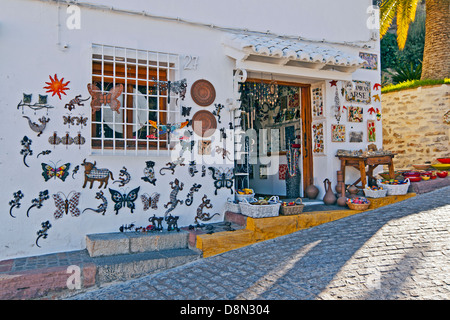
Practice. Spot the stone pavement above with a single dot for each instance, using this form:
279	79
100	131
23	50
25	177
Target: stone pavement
400	251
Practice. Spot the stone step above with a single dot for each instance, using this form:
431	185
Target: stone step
120	243
129	266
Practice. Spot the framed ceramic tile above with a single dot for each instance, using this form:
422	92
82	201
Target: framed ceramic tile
371	132
337	133
355	136
318	137
355	114
361	92
317	102
371	59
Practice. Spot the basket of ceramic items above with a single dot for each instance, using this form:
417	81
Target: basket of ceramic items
375	192
395	188
260	208
294	207
358	203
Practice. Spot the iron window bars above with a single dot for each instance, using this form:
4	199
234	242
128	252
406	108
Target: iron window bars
144	76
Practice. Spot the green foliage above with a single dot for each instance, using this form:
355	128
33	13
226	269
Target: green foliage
413	84
392	57
406	72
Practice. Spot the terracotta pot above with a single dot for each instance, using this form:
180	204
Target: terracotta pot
342	201
311	191
329	197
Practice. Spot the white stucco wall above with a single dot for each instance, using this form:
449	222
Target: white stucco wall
32	36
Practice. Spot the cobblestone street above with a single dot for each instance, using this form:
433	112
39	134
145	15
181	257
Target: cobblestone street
400	251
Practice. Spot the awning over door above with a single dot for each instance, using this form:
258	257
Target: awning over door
287	56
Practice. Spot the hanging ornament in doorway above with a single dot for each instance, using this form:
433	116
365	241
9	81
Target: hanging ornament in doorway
292	156
337	106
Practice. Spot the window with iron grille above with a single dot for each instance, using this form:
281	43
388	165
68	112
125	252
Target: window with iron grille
133	101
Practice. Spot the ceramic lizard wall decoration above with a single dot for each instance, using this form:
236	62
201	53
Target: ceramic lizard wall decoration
124	177
190	195
172	165
176	187
101	207
203	216
36	127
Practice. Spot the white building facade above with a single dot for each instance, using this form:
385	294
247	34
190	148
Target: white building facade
123	85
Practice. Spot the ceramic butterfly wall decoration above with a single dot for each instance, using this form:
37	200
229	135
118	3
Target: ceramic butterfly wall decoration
66	205
223	178
150	201
169	128
110	98
124	200
53	171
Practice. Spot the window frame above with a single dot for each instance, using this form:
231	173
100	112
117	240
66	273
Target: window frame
133	68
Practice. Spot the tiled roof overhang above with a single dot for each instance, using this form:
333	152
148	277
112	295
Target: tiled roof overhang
291	56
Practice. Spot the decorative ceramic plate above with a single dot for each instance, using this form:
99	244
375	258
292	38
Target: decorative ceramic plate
203	93
421	166
204	123
441	166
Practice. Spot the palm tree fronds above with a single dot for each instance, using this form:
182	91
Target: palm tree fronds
387	14
406	12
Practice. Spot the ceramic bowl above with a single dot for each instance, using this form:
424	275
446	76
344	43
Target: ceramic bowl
442	174
441	166
426	178
444	160
411	174
415	178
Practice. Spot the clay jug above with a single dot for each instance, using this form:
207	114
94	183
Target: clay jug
329	197
311	191
353	191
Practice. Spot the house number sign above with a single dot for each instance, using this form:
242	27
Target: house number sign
190	62
360	93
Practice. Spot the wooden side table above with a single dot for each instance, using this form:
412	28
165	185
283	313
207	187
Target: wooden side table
360	163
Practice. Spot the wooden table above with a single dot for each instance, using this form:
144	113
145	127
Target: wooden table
360	163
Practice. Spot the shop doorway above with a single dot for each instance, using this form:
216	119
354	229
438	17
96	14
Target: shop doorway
285	107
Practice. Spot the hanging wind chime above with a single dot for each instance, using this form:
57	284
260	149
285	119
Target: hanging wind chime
292	156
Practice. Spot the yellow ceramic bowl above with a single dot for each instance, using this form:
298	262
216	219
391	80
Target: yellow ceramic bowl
425	178
441	166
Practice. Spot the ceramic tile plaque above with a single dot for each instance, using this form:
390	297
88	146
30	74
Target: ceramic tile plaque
337	133
371	59
361	93
371	134
355	114
317	102
318	138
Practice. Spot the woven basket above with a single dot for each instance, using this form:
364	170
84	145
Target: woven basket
232	207
295	209
395	190
259	211
375	193
356	206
